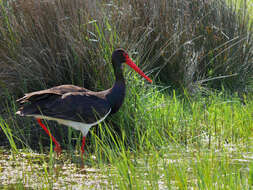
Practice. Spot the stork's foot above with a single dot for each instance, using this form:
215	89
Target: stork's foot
58	150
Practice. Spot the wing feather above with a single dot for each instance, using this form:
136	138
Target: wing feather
55	91
74	106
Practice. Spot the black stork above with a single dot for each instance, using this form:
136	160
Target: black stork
78	107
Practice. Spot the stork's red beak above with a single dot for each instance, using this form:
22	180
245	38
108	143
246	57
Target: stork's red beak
137	69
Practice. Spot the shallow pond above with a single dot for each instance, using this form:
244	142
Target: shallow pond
170	167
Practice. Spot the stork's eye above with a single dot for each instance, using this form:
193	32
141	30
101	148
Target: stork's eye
125	55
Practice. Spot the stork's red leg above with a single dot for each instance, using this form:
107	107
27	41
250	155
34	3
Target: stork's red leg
57	148
82	148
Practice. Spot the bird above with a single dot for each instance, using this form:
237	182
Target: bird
78	107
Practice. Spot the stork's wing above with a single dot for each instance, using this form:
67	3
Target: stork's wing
44	94
74	106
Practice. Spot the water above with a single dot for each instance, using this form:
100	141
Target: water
166	167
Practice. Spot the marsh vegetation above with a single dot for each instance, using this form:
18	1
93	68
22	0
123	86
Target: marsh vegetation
191	128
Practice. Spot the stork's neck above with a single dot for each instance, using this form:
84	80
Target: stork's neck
116	95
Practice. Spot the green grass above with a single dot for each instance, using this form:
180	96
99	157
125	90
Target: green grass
242	3
156	141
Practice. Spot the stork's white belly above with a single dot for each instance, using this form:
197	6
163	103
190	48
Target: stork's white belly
83	127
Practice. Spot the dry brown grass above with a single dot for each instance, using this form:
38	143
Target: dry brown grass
183	43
